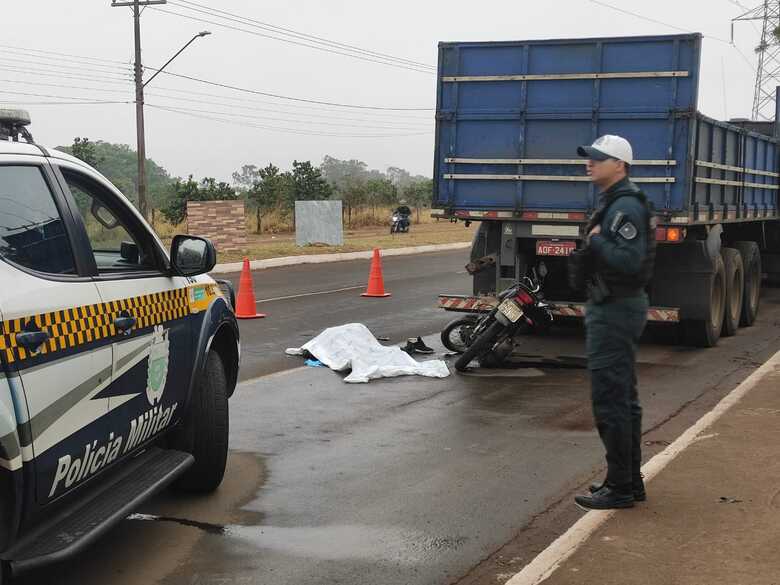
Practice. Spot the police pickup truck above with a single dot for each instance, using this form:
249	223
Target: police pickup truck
116	359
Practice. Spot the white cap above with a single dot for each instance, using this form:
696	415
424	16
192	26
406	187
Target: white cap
608	146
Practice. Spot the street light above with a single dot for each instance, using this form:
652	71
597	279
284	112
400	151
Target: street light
202	33
139	112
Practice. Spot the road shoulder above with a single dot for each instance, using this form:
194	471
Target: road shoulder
713	509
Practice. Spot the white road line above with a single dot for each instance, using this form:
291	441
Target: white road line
567	544
311	294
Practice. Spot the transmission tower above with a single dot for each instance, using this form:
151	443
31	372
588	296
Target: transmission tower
768	52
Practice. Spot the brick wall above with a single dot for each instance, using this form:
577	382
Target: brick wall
220	221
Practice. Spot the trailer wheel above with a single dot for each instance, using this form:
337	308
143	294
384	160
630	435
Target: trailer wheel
706	332
751	260
735	285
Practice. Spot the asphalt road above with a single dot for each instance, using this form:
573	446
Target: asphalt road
405	481
301	301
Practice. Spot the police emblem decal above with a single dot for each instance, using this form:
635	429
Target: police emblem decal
157	374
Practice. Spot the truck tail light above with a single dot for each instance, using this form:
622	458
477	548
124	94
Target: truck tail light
669	234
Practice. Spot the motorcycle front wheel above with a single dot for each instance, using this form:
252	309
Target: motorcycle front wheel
479	346
457	334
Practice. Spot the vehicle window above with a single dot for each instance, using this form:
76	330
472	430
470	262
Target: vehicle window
32	233
116	244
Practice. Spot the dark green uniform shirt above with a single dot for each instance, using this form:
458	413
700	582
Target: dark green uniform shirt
621	247
621	259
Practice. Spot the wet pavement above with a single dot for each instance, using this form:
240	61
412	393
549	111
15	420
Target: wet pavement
411	480
303	300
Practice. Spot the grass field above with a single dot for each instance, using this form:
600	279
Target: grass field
370	229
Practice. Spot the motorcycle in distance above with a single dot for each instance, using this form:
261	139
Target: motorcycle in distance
400	223
490	337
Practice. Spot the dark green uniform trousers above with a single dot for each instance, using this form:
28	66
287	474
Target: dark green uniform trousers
613	331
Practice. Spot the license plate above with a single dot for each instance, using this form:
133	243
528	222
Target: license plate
549	248
510	310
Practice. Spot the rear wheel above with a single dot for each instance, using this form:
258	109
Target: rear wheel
751	261
735	284
204	430
706	332
479	346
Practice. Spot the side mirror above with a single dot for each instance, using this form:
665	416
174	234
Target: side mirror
191	255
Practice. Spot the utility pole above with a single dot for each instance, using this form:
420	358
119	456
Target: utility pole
136	5
768	51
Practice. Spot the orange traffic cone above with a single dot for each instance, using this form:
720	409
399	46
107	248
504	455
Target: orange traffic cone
376	284
246	307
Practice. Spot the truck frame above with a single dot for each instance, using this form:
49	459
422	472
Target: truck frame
509	118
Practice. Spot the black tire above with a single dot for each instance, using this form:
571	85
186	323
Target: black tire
452	337
392	229
706	332
204	430
751	297
480	345
735	285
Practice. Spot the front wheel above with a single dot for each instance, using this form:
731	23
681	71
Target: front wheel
456	336
479	346
204	430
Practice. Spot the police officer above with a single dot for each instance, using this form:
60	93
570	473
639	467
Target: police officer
621	244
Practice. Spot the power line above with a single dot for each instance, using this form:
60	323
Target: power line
278	119
50	73
277	38
654	21
63	103
188	5
295	99
298	108
226	105
70	61
274	111
284	130
63	97
60	54
65	67
61	86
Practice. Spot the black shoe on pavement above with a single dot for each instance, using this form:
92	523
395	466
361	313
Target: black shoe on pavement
419	345
605	499
409	347
638	489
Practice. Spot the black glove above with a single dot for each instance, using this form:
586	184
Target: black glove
580	268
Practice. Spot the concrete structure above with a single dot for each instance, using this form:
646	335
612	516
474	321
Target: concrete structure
222	222
318	222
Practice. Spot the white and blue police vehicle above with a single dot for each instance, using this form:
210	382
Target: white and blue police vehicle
117	358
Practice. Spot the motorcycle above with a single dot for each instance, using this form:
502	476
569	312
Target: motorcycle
400	223
490	338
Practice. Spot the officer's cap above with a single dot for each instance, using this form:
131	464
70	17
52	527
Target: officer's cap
608	146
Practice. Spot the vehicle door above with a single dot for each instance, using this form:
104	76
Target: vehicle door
153	347
49	335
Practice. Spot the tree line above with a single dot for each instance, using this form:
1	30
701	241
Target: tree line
265	189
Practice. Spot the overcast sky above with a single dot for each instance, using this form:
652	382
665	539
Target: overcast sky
403	28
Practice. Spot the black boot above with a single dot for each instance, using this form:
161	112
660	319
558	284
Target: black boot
637	487
605	499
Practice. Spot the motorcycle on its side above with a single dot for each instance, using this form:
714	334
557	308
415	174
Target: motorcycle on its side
490	338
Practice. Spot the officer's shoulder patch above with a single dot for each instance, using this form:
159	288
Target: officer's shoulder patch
628	231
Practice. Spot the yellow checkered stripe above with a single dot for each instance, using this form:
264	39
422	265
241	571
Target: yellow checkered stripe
71	328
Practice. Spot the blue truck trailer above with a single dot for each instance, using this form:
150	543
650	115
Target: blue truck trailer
509	118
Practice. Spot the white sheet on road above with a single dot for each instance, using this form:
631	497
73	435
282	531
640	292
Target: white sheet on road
354	346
